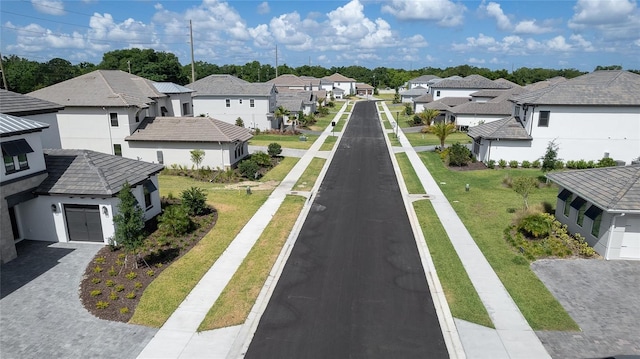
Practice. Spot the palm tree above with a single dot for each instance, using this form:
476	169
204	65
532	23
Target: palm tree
442	130
428	115
280	113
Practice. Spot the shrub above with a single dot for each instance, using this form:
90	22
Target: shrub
112	271
607	162
249	169
274	149
100	260
591	164
535	164
262	159
491	164
113	296
444	155
526	164
119	288
550	158
138	285
408	108
194	199
102	305
559	165
110	283
537	225
331	104
97	269
507	181
131	275
151	272
96	280
124	310
581	164
95	293
571	164
239	122
502	163
131	295
175	221
513	164
459	155
417	119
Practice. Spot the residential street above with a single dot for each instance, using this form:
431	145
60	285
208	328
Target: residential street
354	286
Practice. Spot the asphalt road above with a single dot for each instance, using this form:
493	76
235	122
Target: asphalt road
354	286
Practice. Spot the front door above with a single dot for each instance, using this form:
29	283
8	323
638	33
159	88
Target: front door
83	223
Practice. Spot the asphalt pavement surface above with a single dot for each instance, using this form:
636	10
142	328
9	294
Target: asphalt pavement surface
353	286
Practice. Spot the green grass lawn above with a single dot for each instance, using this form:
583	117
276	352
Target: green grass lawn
310	175
411	180
329	143
393	139
279	172
429	139
239	296
486	212
324	121
397	111
286	141
340	125
386	96
462	297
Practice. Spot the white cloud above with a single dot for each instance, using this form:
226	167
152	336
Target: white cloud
264	8
474	60
130	32
51	7
495	11
531	27
285	30
582	43
446	13
158	7
597	12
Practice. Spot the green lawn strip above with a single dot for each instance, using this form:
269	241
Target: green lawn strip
279	172
462	297
329	143
310	175
411	180
165	293
398	114
394	140
485	212
324	121
239	296
385	96
429	139
286	141
340	125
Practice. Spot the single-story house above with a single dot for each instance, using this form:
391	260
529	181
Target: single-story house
602	205
363	89
170	140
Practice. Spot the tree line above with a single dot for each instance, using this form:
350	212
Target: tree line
23	75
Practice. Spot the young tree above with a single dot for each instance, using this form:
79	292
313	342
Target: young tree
239	122
129	222
442	130
196	157
523	186
550	157
280	114
194	200
274	149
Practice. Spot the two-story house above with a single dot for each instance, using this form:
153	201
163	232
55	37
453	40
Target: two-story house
423	81
227	98
588	117
335	82
463	87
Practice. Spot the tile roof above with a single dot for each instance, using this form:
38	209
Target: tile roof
310	80
505	129
101	88
504	108
288	80
170	87
418	91
469	82
188	129
617	88
13	125
423	79
546	83
90	173
424	98
613	189
363	86
506	82
291	103
338	78
17	104
307	97
227	85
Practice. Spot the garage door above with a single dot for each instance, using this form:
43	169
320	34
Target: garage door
83	223
630	248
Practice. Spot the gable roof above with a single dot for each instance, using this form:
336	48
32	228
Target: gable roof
188	129
599	88
314	81
503	81
613	189
498	105
101	88
13	103
226	85
338	78
13	125
505	129
288	80
170	87
90	173
469	82
363	86
446	103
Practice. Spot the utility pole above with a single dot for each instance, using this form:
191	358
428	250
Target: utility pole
276	60
4	78
129	65
193	66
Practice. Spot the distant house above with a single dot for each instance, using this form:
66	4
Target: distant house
589	117
444	105
363	89
103	107
420	102
463	87
603	205
289	82
409	95
226	97
485	106
423	81
170	140
311	83
70	194
338	81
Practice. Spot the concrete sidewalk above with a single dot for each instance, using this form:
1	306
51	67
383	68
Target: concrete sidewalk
178	337
512	337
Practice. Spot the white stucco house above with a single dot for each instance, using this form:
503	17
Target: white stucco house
170	140
485	106
177	103
463	87
70	194
589	117
226	97
423	81
603	205
338	81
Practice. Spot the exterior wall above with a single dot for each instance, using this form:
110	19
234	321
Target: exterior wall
506	150
474	120
179	153
253	117
419	107
35	158
50	137
349	88
447	92
173	102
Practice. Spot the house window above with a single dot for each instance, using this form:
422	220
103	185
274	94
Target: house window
566	196
581	210
114	119
252	103
438	93
579	203
595	213
117	150
543	119
14	155
227	102
240	101
9	165
148	188
160	157
185	109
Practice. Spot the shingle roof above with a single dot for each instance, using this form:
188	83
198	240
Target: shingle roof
418	91
621	88
310	80
291	103
101	88
504	108
188	129
12	125
288	80
470	82
506	82
423	79
170	87
505	129
225	85
307	97
16	104
424	98
338	78
613	189
363	86
546	83
90	173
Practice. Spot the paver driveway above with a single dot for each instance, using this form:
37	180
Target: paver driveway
41	315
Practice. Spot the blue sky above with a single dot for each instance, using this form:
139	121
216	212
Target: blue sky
405	34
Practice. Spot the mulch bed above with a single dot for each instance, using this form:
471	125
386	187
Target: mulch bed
121	287
474	166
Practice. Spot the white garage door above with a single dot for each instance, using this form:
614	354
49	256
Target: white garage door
630	248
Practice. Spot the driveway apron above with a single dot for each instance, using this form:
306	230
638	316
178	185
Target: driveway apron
354	285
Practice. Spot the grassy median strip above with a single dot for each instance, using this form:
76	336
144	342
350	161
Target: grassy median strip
286	141
395	142
429	139
239	296
310	175
329	143
462	297
409	174
486	212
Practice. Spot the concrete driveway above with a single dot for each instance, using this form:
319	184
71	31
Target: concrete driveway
41	315
603	297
